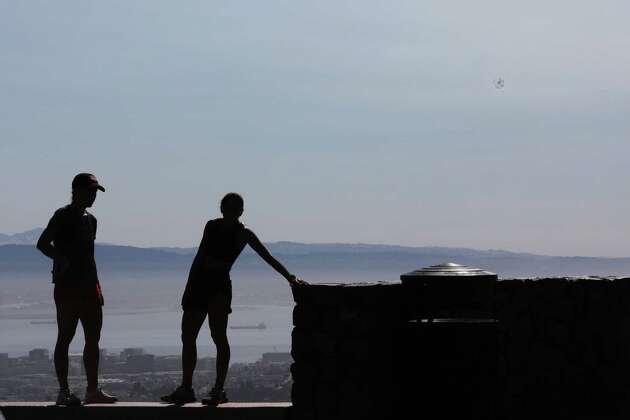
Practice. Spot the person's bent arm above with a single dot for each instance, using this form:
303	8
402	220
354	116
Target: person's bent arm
254	242
45	246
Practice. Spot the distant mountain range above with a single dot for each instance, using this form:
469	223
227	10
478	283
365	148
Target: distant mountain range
24	238
325	262
134	277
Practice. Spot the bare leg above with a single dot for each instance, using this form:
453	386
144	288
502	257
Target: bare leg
92	322
218	311
192	320
67	321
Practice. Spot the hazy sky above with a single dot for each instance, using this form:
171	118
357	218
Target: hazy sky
338	121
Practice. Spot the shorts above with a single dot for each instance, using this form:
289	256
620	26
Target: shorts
78	293
216	299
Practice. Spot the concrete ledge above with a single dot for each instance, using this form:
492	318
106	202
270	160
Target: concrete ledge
145	411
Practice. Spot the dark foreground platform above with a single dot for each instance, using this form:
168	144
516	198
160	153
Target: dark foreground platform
145	411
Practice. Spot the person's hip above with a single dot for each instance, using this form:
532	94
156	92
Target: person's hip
200	295
78	292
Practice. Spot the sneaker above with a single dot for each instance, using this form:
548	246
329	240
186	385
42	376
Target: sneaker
65	397
215	397
180	396
98	396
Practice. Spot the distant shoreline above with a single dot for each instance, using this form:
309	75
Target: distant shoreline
240	353
51	315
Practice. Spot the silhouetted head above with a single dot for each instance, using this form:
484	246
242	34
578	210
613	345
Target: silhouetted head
232	205
84	188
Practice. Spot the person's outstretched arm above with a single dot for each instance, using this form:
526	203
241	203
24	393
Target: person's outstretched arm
254	242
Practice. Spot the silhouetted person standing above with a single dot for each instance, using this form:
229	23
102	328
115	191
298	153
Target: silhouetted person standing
69	241
209	292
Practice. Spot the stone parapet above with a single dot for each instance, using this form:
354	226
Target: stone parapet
342	345
559	346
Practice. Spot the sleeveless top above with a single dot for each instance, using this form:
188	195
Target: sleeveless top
219	243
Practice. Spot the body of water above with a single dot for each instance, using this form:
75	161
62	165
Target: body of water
158	332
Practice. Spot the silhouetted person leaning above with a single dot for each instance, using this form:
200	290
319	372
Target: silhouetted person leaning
69	241
209	292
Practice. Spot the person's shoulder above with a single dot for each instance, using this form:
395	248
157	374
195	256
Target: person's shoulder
62	212
64	209
247	230
90	215
60	218
213	222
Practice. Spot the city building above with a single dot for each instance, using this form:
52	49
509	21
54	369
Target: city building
38	354
277	357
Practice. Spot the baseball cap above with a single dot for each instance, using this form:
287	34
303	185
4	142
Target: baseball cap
85	180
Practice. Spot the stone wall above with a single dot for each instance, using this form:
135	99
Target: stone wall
342	345
567	345
559	346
